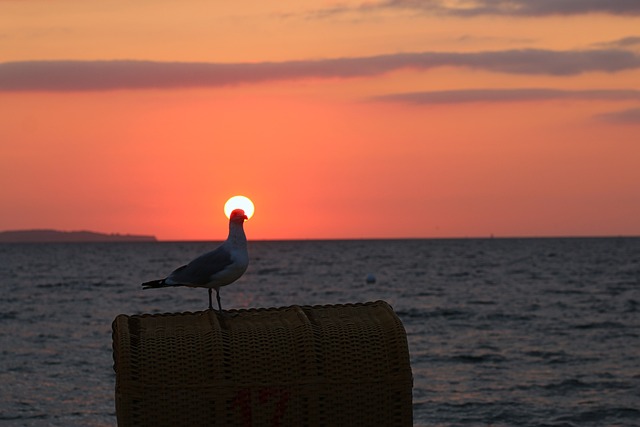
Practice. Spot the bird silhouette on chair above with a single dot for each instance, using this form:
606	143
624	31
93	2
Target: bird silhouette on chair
220	267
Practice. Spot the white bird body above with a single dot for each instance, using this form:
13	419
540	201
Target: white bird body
220	267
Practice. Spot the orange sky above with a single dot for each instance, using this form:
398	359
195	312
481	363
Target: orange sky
342	119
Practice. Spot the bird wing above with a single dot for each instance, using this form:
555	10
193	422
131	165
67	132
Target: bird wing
200	270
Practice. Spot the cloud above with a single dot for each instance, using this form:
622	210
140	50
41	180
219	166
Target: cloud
470	8
538	61
124	74
510	95
631	116
625	42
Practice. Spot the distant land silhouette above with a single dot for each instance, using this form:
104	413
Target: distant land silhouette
48	236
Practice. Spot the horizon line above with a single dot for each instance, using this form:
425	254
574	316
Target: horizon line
302	239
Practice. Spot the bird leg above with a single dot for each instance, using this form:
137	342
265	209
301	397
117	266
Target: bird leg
210	305
218	298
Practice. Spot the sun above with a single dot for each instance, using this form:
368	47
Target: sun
239	202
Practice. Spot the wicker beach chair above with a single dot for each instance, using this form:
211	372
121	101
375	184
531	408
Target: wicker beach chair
333	365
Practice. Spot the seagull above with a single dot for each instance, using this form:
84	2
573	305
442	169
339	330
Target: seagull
220	267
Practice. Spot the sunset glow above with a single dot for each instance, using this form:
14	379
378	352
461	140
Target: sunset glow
516	118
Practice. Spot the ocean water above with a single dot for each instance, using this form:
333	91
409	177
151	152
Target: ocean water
502	332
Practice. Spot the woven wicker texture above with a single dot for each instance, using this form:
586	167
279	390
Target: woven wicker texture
333	365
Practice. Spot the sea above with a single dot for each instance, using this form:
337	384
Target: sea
501	332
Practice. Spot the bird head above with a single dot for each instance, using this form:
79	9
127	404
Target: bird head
237	215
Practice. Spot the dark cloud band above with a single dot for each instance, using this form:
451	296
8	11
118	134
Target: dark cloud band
522	8
510	95
115	75
630	116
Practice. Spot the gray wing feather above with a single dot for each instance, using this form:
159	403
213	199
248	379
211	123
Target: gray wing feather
199	271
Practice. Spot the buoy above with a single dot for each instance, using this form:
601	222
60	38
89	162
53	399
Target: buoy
371	278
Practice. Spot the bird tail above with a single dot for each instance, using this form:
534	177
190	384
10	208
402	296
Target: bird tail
154	284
